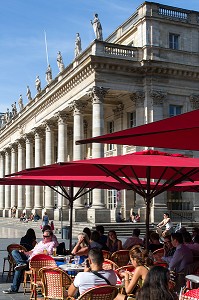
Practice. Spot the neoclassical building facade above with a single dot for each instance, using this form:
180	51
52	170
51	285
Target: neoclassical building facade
146	70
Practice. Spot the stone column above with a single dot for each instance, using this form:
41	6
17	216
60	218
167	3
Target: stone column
158	98
7	187
77	107
14	169
29	164
21	166
49	159
62	152
97	95
138	100
98	213
2	187
38	190
118	115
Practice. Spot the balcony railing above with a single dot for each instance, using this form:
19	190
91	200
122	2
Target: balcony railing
172	13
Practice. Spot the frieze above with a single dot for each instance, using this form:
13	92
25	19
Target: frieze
76	80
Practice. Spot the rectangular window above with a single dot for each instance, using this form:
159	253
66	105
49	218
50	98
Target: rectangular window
175	110
110	129
111	199
174	41
131	119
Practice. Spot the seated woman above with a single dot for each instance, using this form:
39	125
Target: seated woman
113	243
82	247
142	263
29	239
156	285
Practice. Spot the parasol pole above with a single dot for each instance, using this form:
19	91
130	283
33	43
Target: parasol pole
71	216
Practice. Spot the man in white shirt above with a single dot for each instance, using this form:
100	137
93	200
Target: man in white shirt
93	274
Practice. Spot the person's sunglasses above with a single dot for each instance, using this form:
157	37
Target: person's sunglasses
46	236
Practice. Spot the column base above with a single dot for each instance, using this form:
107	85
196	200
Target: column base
156	213
50	213
195	213
61	215
6	213
98	215
38	211
79	215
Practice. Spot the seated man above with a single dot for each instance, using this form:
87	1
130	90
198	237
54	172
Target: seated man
181	258
93	274
22	258
133	240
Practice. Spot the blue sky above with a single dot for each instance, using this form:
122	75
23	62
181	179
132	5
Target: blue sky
22	44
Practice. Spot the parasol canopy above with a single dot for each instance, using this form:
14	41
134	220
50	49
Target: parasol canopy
179	132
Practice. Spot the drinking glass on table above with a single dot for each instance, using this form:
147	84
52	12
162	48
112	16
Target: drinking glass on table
76	260
67	259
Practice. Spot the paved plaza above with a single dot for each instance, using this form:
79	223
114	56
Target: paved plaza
11	231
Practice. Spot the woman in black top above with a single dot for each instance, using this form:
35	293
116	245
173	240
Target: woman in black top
29	239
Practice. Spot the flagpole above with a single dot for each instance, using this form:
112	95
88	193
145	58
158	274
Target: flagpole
46	48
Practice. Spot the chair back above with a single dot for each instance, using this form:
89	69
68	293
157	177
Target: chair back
55	282
121	257
190	295
129	268
12	247
39	261
158	254
106	292
109	265
106	254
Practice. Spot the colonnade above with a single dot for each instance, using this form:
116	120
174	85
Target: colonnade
47	143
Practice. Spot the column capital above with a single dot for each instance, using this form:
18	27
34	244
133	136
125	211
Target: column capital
2	153
38	132
14	147
21	143
7	150
138	98
77	106
29	137
97	94
157	97
118	110
49	125
194	100
61	117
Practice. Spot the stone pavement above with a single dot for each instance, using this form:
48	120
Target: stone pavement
11	231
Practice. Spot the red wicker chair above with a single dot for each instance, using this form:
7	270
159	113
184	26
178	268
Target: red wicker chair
36	263
121	257
55	283
106	292
109	265
11	261
106	254
190	295
158	254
